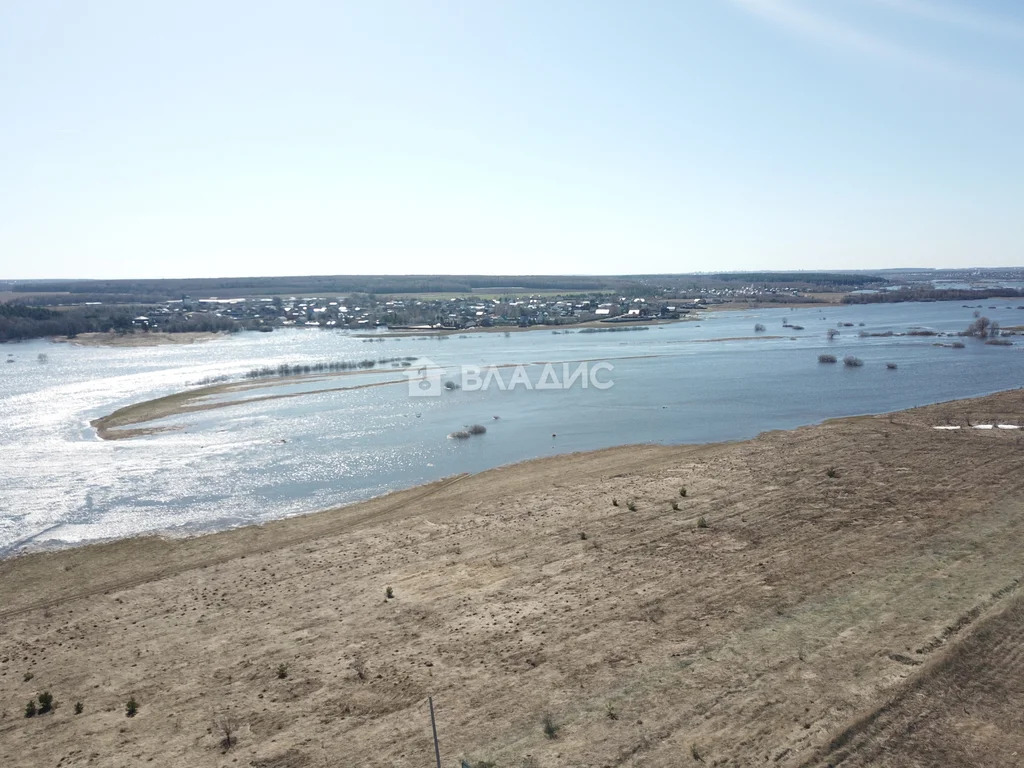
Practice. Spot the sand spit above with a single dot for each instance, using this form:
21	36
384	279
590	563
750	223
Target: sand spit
841	565
124	422
127	422
138	339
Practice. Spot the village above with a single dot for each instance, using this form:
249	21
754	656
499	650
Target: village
365	311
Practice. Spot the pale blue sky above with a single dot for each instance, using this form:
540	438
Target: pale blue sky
177	139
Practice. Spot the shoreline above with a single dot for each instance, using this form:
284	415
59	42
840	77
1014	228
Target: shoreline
819	571
139	339
411	332
162	338
628	450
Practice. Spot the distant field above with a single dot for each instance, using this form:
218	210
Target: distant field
493	293
9	295
323	285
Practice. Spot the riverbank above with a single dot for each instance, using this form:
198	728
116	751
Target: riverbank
835	565
139	339
564	328
819	301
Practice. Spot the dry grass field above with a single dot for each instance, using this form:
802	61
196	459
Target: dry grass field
850	598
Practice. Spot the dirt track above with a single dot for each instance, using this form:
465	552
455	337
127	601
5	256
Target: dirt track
964	709
842	566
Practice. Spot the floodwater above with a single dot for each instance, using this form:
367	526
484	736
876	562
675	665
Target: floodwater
255	461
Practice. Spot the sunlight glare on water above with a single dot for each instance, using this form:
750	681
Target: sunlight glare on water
259	460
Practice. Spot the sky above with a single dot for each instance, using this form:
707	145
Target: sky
231	138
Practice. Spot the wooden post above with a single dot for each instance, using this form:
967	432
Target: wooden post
433	727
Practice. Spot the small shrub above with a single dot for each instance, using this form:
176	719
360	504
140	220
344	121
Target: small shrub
832	472
359	667
227	726
131	707
675	506
477	429
957	345
758	328
852	362
615	502
27	676
282	671
550	727
30	708
631	506
609	711
45	702
826	358
583	535
388	593
682	491
702	523
695	753
459	434
891	366
78	708
982	327
831	333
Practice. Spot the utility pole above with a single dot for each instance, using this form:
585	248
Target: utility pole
433	727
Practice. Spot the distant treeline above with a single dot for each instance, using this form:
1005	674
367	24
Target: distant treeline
152	291
301	369
63	299
19	322
931	294
613	329
798	278
162	290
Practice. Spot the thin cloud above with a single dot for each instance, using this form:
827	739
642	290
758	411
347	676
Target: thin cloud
833	33
960	17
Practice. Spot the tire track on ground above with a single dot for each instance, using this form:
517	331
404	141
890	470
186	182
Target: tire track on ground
980	661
